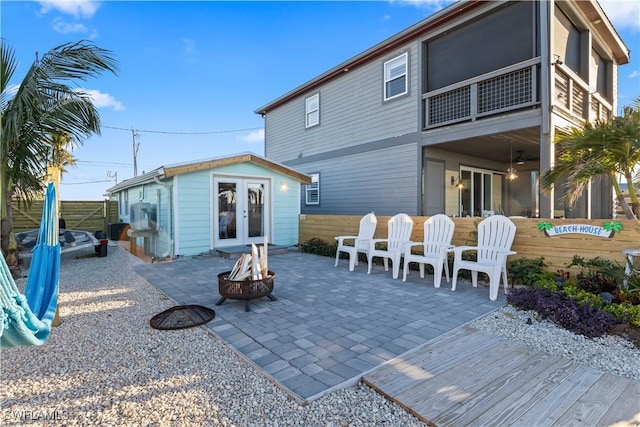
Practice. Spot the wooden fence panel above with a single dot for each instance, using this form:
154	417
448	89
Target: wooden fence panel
78	215
529	242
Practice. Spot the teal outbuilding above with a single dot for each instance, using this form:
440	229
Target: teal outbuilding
198	207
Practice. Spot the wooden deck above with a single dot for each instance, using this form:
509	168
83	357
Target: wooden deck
468	378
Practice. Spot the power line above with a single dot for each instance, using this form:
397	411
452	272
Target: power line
88	182
103	163
182	133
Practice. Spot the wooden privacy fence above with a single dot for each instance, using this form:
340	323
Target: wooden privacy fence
530	242
88	216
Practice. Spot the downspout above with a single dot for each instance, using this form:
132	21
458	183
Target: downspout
169	251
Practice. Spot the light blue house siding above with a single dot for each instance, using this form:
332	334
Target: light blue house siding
192	207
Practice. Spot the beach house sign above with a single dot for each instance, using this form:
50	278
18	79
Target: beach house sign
607	229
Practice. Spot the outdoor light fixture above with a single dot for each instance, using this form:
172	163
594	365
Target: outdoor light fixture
511	172
557	60
457	183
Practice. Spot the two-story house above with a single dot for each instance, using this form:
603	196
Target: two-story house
456	114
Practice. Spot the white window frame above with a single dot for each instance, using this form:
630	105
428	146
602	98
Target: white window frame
391	74
312	111
124	202
312	188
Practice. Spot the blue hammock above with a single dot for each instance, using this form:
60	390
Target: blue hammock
26	319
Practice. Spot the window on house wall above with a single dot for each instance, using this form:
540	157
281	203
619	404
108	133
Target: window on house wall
312	190
124	202
312	110
396	77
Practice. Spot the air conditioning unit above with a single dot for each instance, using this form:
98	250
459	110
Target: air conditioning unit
142	216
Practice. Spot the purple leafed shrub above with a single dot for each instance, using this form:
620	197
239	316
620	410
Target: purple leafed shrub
565	312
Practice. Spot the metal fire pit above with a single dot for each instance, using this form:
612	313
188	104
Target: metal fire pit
245	289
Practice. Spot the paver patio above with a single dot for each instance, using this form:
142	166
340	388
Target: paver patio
329	326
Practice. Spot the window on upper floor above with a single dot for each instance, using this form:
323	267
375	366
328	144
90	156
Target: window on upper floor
312	110
396	77
312	196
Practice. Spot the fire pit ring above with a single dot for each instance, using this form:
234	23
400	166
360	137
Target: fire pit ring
245	289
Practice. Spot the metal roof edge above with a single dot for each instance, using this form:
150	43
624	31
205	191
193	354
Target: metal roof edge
137	180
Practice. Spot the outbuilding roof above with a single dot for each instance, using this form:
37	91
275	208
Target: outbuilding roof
169	171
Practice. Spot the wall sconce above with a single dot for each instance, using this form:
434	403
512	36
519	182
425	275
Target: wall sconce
557	60
284	186
457	182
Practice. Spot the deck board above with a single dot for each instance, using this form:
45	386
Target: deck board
467	377
594	403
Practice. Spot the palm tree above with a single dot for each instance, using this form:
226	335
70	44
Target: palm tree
600	150
44	104
60	156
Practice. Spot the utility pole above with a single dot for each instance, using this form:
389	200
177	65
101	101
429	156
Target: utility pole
113	175
136	146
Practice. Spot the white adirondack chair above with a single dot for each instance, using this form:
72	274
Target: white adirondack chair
361	241
399	234
495	236
438	232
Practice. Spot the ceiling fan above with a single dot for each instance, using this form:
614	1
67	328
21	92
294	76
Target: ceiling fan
521	158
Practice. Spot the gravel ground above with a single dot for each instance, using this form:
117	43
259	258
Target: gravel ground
104	365
609	353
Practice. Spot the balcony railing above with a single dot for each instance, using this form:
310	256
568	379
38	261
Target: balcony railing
506	89
574	97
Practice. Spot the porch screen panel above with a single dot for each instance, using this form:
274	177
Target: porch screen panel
566	42
598	77
501	38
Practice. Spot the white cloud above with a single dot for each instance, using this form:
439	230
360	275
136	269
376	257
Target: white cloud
432	5
77	8
622	13
634	74
101	100
64	27
257	136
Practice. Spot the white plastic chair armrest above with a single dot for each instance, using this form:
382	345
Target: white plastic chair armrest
374	241
341	239
409	245
460	249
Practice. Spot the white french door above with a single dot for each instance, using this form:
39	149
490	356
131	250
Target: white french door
241	210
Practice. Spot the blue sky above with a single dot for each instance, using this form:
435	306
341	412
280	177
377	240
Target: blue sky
192	73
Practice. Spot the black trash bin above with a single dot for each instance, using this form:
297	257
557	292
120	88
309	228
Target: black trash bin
117	230
102	247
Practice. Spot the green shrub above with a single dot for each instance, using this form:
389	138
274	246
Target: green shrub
546	283
582	296
528	271
625	311
611	271
319	247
